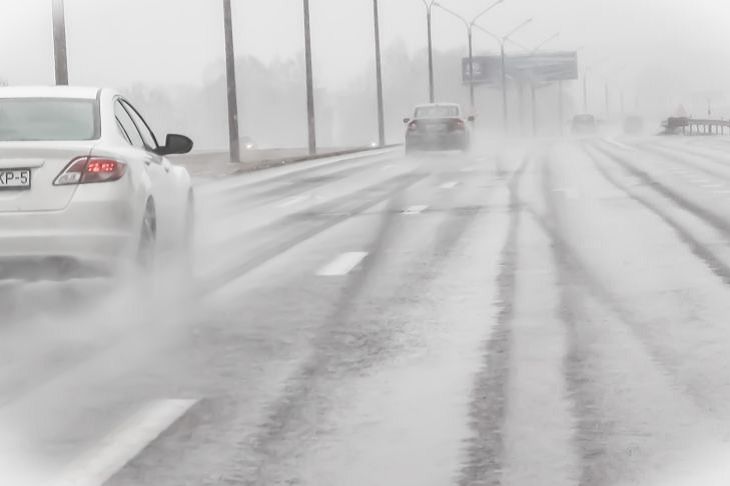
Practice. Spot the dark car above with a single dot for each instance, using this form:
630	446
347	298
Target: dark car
584	124
438	126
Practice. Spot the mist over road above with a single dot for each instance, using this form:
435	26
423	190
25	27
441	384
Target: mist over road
543	313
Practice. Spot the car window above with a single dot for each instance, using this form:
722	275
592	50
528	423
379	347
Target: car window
127	126
148	136
36	119
436	111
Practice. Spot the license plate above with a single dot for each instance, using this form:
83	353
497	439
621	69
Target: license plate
435	128
14	178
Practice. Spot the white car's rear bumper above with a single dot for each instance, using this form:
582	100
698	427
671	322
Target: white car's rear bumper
93	234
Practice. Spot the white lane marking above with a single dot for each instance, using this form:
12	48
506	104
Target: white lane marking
123	445
415	209
620	145
343	264
293	200
568	192
449	185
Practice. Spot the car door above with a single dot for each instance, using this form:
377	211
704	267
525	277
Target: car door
156	167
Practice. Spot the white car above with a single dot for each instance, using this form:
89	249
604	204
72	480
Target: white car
85	187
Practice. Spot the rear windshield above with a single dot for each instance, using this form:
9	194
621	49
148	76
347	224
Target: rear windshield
35	119
437	111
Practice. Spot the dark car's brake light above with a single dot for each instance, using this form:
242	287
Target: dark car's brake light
88	170
412	126
459	124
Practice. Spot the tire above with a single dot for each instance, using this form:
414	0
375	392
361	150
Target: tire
148	238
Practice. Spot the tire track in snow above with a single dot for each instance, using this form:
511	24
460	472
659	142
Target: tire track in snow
486	449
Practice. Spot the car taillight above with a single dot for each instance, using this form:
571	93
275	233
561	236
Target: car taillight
459	124
412	126
87	170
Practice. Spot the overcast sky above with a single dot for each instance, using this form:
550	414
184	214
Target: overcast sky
120	42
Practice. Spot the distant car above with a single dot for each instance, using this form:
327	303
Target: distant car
584	124
85	187
633	125
247	143
438	126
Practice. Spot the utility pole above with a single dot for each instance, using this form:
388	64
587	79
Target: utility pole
234	144
310	84
521	106
59	43
608	106
471	71
379	76
561	104
585	91
431	96
470	24
504	90
534	110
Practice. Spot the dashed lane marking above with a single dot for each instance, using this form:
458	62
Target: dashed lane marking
449	185
124	444
415	209
343	264
293	200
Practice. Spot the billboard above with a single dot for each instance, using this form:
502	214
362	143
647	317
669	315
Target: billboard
525	68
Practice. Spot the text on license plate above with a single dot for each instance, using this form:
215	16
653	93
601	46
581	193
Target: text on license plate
14	178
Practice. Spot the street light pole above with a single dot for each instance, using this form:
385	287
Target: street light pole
59	43
379	76
505	119
234	147
470	24
429	7
585	91
311	122
471	70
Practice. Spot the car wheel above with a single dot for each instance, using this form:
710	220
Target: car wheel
147	238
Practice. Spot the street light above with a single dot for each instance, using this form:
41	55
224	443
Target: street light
311	121
378	76
429	7
234	147
504	70
545	42
470	24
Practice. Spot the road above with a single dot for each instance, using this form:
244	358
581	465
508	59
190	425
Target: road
552	313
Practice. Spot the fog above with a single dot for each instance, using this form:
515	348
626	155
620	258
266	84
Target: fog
397	313
660	54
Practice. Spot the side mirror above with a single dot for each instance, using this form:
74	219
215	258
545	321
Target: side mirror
471	118
175	144
406	120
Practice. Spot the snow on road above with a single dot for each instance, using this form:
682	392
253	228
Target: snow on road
544	313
